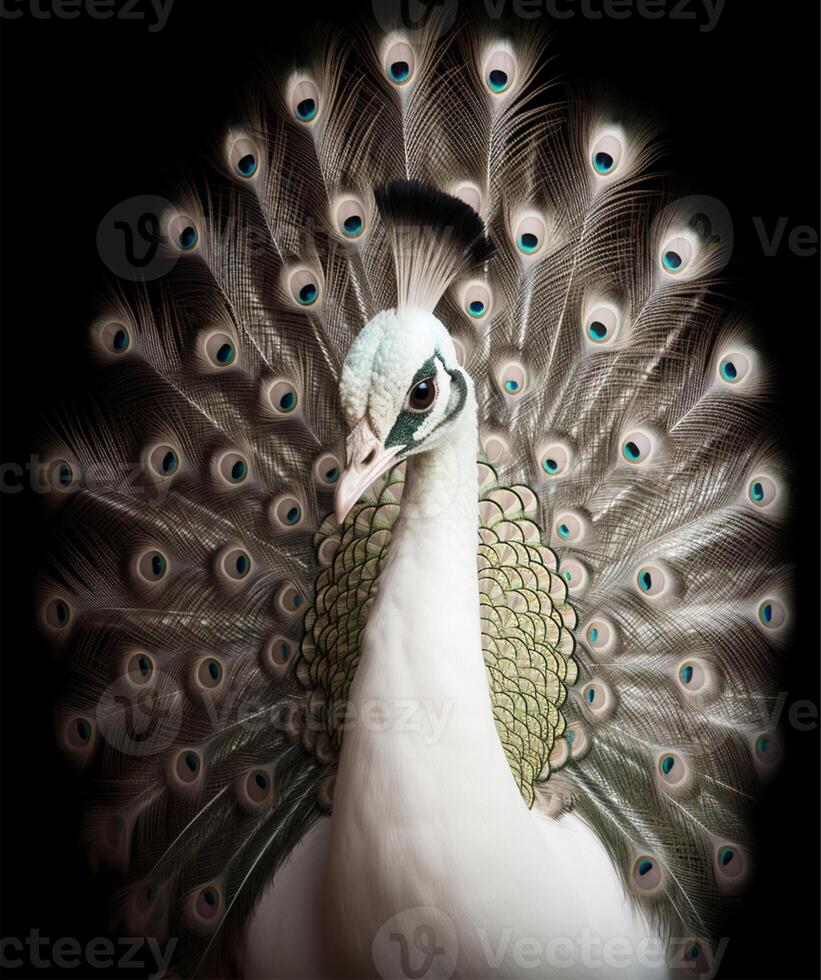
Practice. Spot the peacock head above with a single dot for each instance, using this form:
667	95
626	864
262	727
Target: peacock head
402	390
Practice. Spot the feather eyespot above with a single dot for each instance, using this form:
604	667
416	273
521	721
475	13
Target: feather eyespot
469	194
208	905
673	770
647	876
767	748
163	460
277	654
575	575
287	512
218	349
530	235
771	614
327	470
350	218
692	676
636	447
290	599
114	337
499	72
400	63
77	738
512	379
601	325
232	468
254	790
79	732
569	528
234	564
208	674
730	865
139	668
476	300
283	397
186	769
598	700
60	475
606	155
57	613
244	158
762	491
183	233
151	567
601	636
733	368
304	287
676	255
497	448
554	459
305	101
651	581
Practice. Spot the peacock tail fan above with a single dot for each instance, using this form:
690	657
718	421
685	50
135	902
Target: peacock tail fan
635	596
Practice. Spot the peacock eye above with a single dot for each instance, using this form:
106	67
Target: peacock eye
400	63
606	155
422	395
350	218
500	70
305	101
244	158
183	233
676	255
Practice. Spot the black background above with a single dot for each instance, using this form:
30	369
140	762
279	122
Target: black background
96	111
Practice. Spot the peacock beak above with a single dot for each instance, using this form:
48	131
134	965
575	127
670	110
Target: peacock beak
367	460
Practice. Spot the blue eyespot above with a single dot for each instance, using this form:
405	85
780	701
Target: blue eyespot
569	736
603	162
247	165
766	612
761	744
158	565
261	780
590	695
528	242
512	386
563	531
187	238
645	866
597	331
666	765
225	354
476	308
288	401
756	491
645	581
120	341
497	80
306	109
399	71
214	670
170	462
191	761
593	634
58	613
242	564
308	293
65	475
332	475
83	729
694	952
239	470
352	226
631	451
725	855
672	261
686	673
210	896
145	667
293	515
728	370
550	465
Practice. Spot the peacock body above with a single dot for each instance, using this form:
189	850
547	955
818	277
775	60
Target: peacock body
429	635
